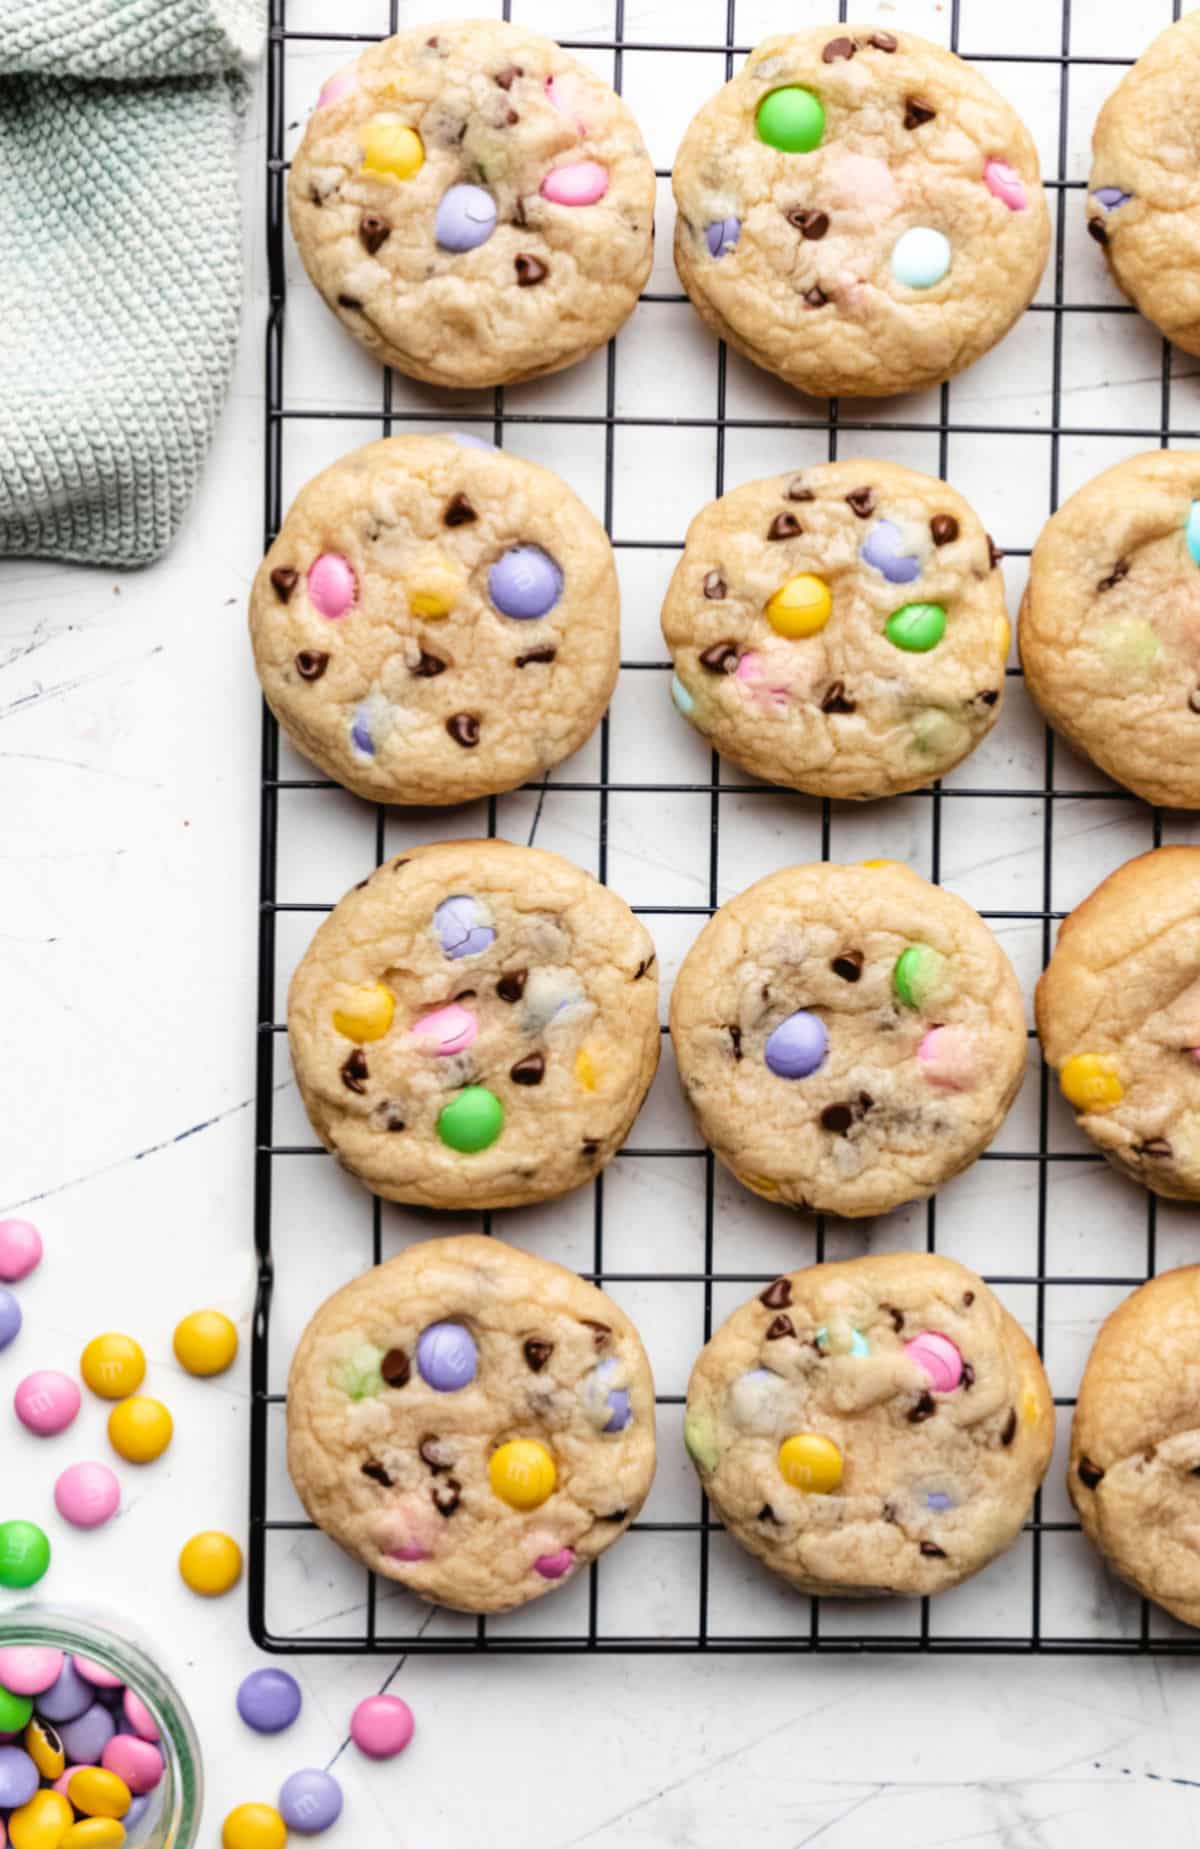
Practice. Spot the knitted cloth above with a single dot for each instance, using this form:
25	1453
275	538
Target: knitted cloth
120	264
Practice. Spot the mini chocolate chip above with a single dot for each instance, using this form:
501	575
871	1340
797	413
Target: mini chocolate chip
429	666
767	1514
917	112
395	1368
721	658
377	1473
284	580
865	1101
896	1315
943	529
618	1515
1089	1474
884	41
536	654
834	700
809	222
1194	700
349	301
714	587
989	696
354	1072
796	491
849	966
778	1295
924	1409
1096	230
537	1353
433	1452
862	501
433	43
932	1551
1119	571
464	730
968	1299
816	297
838	48
518	216
447	1496
644	965
311	664
314	195
1157	1146
508	76
888	1511
735	1035
837	1117
391	1120
373	233
968	1377
589	1149
511	986
781	1326
459	512
1010	1427
530	270
784	526
994	553
529	1071
600	1331
512	117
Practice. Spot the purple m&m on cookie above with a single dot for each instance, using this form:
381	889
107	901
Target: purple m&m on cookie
464	927
310	1801
446	1357
269	1700
722	235
797	1046
525	583
606	1404
466	218
885	552
1111	197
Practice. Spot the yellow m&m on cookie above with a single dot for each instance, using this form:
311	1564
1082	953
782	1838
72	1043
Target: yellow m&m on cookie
366	1014
391	148
811	1462
522	1473
1091	1082
801	607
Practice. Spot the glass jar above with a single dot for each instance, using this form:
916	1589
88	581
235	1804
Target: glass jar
173	1819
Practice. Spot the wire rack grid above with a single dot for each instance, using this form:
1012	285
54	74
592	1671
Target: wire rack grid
1023	831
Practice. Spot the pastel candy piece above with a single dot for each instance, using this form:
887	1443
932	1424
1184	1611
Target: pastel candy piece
24	1554
463	926
465	219
310	1801
29	1669
139	1716
466	439
472	1121
409	1552
1111	198
791	119
682	698
606	1405
918	974
87	1495
916	627
15	1712
700	1438
46	1403
749	667
268	1700
555	1565
359	1376
100	1832
135	1761
947	1057
884	551
96	1673
68	1698
332	587
938	1499
797	1046
565	93
133	1816
1007	185
811	1462
843	1342
722	235
44	1747
382	1726
525	583
586	1072
20	1249
85	1739
921	257
580	183
98	1793
10	1318
447	1357
755	1401
1091	1082
336	87
446	1030
522	1473
1193	531
366	1014
392	148
801	607
938	1358
18	1777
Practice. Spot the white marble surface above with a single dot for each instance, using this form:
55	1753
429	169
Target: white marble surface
129	739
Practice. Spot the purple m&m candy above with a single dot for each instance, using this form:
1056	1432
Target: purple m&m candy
525	583
18	1777
269	1700
466	439
797	1046
10	1317
607	1405
446	1357
134	1815
310	1801
67	1698
722	235
85	1738
464	927
466	218
884	550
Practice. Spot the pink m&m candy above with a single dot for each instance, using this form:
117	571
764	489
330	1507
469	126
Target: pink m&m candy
20	1249
582	183
46	1402
565	93
139	1716
29	1669
135	1761
382	1726
1007	185
95	1673
938	1358
947	1057
338	86
446	1030
553	1566
87	1495
331	585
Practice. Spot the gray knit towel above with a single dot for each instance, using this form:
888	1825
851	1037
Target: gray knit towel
120	264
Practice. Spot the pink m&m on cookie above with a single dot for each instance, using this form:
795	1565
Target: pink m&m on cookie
565	94
338	86
381	1726
331	585
938	1358
582	183
29	1669
1007	185
446	1030
947	1057
20	1249
46	1402
553	1566
87	1495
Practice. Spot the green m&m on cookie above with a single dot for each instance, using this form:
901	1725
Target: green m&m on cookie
916	627
472	1121
791	119
918	974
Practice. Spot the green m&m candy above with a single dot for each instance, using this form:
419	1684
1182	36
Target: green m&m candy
917	627
791	119
24	1555
472	1121
15	1711
918	972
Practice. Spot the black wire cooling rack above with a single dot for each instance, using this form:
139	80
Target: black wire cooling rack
1028	1617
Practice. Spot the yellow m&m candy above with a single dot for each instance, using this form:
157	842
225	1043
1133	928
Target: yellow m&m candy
99	1793
1003	637
113	1365
40	1823
367	1014
210	1563
811	1462
390	147
522	1473
253	1826
44	1747
585	1070
801	607
1091	1082
94	1833
206	1342
140	1429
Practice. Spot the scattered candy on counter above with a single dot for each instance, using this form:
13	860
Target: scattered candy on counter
310	1801
206	1343
210	1563
269	1700
10	1318
20	1250
253	1826
113	1366
382	1726
140	1429
24	1556
46	1402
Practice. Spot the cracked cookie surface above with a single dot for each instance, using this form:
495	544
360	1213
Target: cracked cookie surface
471	1421
879	1425
859	211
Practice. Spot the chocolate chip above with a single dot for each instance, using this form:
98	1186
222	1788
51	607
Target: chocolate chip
433	1452
883	41
349	301
968	1299
530	270
714	587
311	664
735	1035
315	196
781	1326
429	666
784	526
377	1473
511	986
888	1511
896	1315
838	1118
508	76
1010	1427
1096	230
865	1101
838	48
464	730
994	553
589	1149
618	1515
943	529
809	222
395	1368
1089	1474
1119	571
354	1072
644	965
796	491
816	297
918	112
989	696
512	117
767	1514
849	966
536	654
373	233
968	1377
387	1117
932	1551
778	1295
537	1353
600	1331
447	1496
862	501
1157	1146
459	512
834	700
1194	700
284	581
924	1409
721	658
529	1071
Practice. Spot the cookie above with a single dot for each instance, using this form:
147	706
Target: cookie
875	1426
1108	623
436	621
1143	203
475	1025
859	212
471	1421
842	630
1135	1442
848	1037
1118	1012
474	205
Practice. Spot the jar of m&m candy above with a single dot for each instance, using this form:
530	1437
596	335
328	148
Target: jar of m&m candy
107	1737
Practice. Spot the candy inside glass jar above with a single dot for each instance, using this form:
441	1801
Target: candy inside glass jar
108	1696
